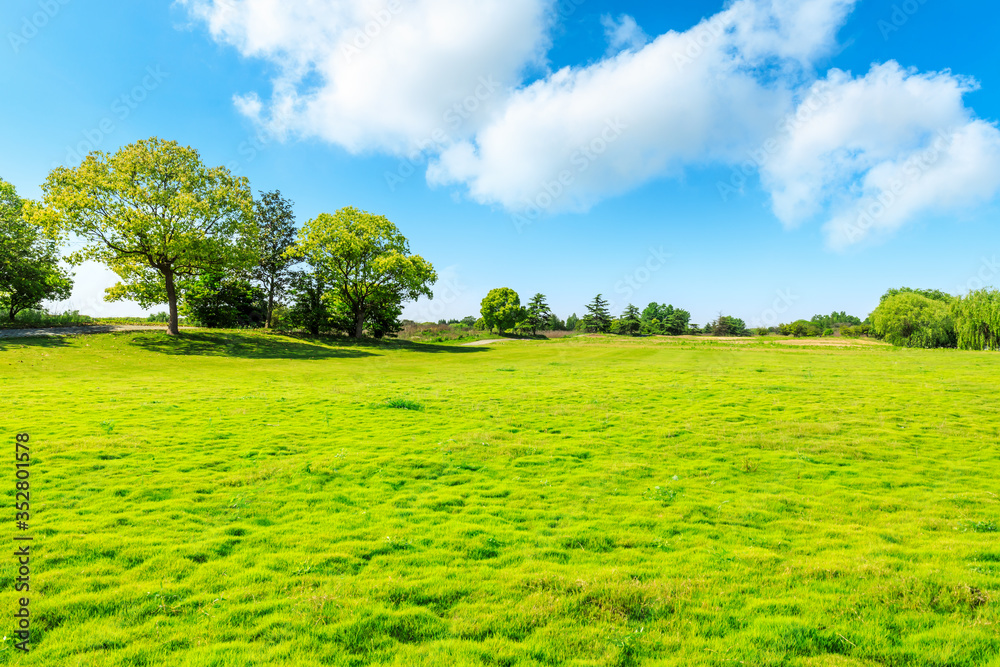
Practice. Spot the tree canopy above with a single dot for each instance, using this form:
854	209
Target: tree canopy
154	214
273	234
29	259
366	262
909	318
501	309
977	320
598	318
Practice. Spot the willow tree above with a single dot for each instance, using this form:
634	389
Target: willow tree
911	319
367	264
977	320
155	215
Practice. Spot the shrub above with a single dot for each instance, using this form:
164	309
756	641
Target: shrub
977	320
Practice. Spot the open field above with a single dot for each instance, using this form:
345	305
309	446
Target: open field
235	499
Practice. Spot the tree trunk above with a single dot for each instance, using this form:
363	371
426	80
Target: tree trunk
270	306
172	328
359	324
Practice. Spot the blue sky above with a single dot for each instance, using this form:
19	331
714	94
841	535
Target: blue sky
658	211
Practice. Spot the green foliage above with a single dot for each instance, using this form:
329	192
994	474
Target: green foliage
977	320
501	310
726	325
909	318
665	320
856	331
273	235
29	260
835	320
538	313
311	307
933	294
800	329
630	323
154	214
366	262
598	318
571	322
217	301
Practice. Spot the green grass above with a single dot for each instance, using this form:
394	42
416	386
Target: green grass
239	499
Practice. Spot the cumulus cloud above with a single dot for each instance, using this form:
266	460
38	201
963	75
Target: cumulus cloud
879	150
379	74
449	78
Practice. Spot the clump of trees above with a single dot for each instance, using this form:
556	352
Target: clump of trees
664	319
726	325
30	272
977	320
915	318
191	236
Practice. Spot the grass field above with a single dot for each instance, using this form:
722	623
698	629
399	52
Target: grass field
234	499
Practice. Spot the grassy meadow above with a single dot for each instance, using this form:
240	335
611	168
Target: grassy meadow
231	499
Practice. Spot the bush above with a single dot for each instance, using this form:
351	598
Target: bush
856	331
909	319
827	333
800	329
977	320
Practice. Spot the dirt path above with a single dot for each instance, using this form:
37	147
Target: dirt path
476	343
73	331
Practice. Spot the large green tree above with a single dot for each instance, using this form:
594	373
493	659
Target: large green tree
366	261
538	312
154	214
274	234
912	319
29	259
501	309
598	318
977	320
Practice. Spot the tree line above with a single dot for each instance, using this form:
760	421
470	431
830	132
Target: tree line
180	233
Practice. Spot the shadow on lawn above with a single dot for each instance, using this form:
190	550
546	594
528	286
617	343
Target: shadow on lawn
274	346
33	341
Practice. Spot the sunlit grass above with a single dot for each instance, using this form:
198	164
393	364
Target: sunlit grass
238	499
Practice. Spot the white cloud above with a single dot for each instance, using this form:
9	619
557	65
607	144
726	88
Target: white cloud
447	77
896	135
694	98
623	33
379	74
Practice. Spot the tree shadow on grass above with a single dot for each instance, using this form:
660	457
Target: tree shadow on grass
38	342
245	346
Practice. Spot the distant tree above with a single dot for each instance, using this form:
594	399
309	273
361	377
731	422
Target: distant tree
834	320
154	214
501	309
800	329
366	262
977	320
29	259
273	235
310	309
555	324
911	319
598	318
219	301
571	322
538	313
630	322
729	326
469	321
